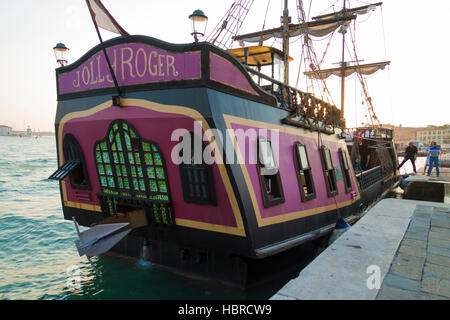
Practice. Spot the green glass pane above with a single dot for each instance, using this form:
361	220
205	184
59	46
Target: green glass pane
111	136
132	133
124	170
133	171
135	184
111	182
119	142
108	170
162	186
158	159
115	157
191	190
101	169
146	146
97	147
120	181
128	141
103	181
154	148
118	170
104	146
141	196
121	157
130	157
142	184
189	175
105	157
126	194
113	147
160	173
98	157
125	126
139	172
126	183
148	158
115	126
153	186
151	172
137	158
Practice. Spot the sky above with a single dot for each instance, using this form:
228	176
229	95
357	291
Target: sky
412	34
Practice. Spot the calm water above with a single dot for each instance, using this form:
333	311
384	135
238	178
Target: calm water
38	258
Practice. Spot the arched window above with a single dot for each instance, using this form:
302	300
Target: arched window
132	168
328	169
269	174
73	153
304	172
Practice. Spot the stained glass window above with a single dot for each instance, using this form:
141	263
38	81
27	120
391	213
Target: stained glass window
130	165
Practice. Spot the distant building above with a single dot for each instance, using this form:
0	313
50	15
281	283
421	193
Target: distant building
402	135
5	130
439	134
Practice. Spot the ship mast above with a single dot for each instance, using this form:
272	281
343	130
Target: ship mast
343	31
286	41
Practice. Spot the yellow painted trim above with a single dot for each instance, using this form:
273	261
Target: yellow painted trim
194	114
285	216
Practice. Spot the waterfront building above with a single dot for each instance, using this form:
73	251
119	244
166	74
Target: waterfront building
439	134
5	130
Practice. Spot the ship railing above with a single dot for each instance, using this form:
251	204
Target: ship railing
307	111
368	178
159	213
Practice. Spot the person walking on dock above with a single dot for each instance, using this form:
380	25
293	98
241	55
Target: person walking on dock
435	150
410	154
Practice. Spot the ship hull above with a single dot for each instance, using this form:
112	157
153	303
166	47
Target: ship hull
215	219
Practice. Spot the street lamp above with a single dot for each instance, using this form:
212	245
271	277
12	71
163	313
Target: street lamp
199	22
60	53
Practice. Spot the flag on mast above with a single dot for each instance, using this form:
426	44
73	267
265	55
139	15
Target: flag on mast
103	19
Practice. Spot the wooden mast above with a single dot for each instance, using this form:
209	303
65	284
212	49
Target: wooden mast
343	30
286	41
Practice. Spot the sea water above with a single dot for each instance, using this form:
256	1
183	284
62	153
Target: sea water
38	257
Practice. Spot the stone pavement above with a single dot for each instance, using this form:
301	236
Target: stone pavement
421	266
405	243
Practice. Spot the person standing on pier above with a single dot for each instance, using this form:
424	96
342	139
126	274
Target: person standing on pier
427	162
435	150
410	154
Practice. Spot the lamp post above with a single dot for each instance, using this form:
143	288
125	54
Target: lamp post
199	21
60	53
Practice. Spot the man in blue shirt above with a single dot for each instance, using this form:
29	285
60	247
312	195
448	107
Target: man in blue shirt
434	158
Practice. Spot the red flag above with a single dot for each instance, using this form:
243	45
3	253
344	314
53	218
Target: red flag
103	18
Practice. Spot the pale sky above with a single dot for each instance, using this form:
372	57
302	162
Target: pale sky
412	34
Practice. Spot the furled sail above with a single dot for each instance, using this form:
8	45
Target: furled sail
315	28
357	11
365	69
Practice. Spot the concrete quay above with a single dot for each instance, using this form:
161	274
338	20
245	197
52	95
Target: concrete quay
399	250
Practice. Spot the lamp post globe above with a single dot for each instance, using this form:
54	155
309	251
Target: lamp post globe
199	21
60	53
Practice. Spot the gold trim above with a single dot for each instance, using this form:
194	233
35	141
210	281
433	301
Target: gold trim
238	230
285	216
